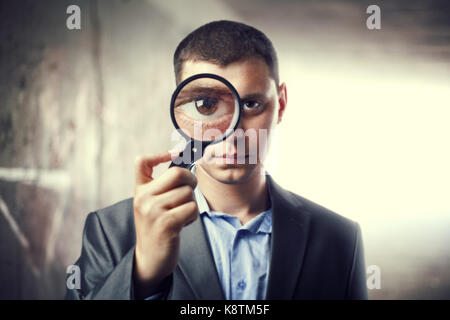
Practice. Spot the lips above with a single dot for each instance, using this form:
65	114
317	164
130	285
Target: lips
232	156
232	159
222	156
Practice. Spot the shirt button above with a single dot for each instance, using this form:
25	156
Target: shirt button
241	285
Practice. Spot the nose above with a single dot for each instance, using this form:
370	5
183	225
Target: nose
237	133
235	139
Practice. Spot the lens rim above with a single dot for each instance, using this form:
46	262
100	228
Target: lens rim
195	77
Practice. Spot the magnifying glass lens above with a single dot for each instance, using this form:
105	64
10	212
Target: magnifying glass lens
205	108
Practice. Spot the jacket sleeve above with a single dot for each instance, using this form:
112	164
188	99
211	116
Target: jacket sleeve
101	276
357	286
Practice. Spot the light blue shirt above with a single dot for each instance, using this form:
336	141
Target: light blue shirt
241	253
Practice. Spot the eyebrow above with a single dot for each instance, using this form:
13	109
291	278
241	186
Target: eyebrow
254	96
204	90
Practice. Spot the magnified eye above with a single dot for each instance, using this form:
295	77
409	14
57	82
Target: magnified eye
201	108
251	105
206	106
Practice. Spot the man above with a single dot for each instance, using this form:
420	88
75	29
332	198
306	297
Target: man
222	230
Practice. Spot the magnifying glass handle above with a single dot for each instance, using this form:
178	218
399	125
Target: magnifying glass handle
179	161
191	153
186	157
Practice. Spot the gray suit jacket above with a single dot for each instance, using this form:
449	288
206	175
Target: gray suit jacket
316	254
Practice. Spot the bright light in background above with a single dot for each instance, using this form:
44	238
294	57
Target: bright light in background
367	144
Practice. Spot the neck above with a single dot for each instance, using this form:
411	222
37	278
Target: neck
244	200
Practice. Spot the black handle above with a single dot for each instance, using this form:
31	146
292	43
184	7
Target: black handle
191	153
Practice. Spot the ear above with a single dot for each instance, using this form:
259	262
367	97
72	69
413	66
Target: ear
282	101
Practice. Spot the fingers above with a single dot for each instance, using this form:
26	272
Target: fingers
174	177
144	166
155	206
176	197
166	201
184	214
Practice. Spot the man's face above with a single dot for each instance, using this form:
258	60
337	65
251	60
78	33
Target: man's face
263	106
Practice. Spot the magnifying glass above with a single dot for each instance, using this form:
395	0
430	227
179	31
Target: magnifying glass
205	109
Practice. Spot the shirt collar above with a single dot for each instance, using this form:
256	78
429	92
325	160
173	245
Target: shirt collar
261	223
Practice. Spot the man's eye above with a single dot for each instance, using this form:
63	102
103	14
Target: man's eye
206	106
251	105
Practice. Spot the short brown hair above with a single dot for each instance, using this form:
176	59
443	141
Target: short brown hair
224	42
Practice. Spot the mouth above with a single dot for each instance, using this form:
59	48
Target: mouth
231	158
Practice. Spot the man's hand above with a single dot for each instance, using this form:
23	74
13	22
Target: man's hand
162	207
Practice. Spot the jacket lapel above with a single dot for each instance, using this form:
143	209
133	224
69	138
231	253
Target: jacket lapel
290	226
196	262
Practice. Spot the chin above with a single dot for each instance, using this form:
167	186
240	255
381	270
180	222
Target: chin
231	173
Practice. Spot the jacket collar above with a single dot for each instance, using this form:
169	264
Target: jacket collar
290	226
289	239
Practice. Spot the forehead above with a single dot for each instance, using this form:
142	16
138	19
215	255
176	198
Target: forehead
247	76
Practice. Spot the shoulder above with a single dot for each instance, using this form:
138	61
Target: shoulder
323	217
119	214
328	227
322	222
116	223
